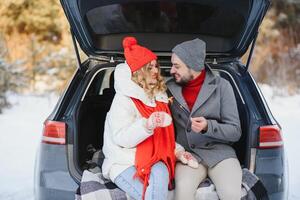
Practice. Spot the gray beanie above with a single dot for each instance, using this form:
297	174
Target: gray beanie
192	53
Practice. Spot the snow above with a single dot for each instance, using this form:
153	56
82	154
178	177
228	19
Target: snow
286	110
21	128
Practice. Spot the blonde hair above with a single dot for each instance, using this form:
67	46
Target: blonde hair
142	77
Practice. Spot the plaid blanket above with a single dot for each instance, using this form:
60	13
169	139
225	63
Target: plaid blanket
94	186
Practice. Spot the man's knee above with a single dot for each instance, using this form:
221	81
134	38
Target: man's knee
187	180
227	177
230	194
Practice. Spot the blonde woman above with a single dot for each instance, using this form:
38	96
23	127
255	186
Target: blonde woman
139	143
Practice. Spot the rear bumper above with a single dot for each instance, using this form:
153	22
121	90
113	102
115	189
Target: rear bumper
272	170
52	179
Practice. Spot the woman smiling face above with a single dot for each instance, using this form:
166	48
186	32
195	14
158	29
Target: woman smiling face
152	69
149	78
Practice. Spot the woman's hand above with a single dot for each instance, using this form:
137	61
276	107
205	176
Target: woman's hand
187	158
158	119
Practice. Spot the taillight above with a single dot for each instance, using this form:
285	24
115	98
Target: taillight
270	137
54	132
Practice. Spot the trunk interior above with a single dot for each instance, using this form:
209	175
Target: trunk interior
97	101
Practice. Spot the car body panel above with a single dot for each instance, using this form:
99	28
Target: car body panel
52	177
271	170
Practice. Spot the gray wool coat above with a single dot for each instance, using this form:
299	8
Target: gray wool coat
216	102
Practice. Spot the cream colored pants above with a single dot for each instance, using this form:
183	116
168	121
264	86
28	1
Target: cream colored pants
226	175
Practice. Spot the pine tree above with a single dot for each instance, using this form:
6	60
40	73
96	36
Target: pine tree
35	31
12	76
38	17
11	80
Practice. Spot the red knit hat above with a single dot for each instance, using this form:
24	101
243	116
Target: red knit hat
136	56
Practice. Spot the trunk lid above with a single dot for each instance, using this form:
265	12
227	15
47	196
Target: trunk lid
227	26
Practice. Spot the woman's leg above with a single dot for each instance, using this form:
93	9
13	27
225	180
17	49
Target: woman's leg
158	182
132	186
187	180
227	177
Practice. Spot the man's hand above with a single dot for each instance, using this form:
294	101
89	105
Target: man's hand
187	158
199	124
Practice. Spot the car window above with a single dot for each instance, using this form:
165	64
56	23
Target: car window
166	16
105	80
100	81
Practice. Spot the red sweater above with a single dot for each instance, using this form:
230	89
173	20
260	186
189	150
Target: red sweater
191	90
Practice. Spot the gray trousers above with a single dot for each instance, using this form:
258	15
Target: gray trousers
226	175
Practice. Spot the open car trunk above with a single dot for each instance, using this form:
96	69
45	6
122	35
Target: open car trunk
227	26
97	101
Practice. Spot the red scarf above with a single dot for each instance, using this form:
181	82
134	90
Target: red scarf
158	147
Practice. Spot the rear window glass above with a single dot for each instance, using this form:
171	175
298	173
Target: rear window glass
165	17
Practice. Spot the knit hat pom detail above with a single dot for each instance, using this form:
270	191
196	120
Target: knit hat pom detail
128	42
136	55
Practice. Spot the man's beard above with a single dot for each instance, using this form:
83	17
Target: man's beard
184	79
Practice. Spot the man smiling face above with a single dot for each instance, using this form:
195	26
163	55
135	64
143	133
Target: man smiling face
181	73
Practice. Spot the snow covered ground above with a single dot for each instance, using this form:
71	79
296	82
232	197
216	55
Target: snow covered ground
286	110
21	128
20	132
